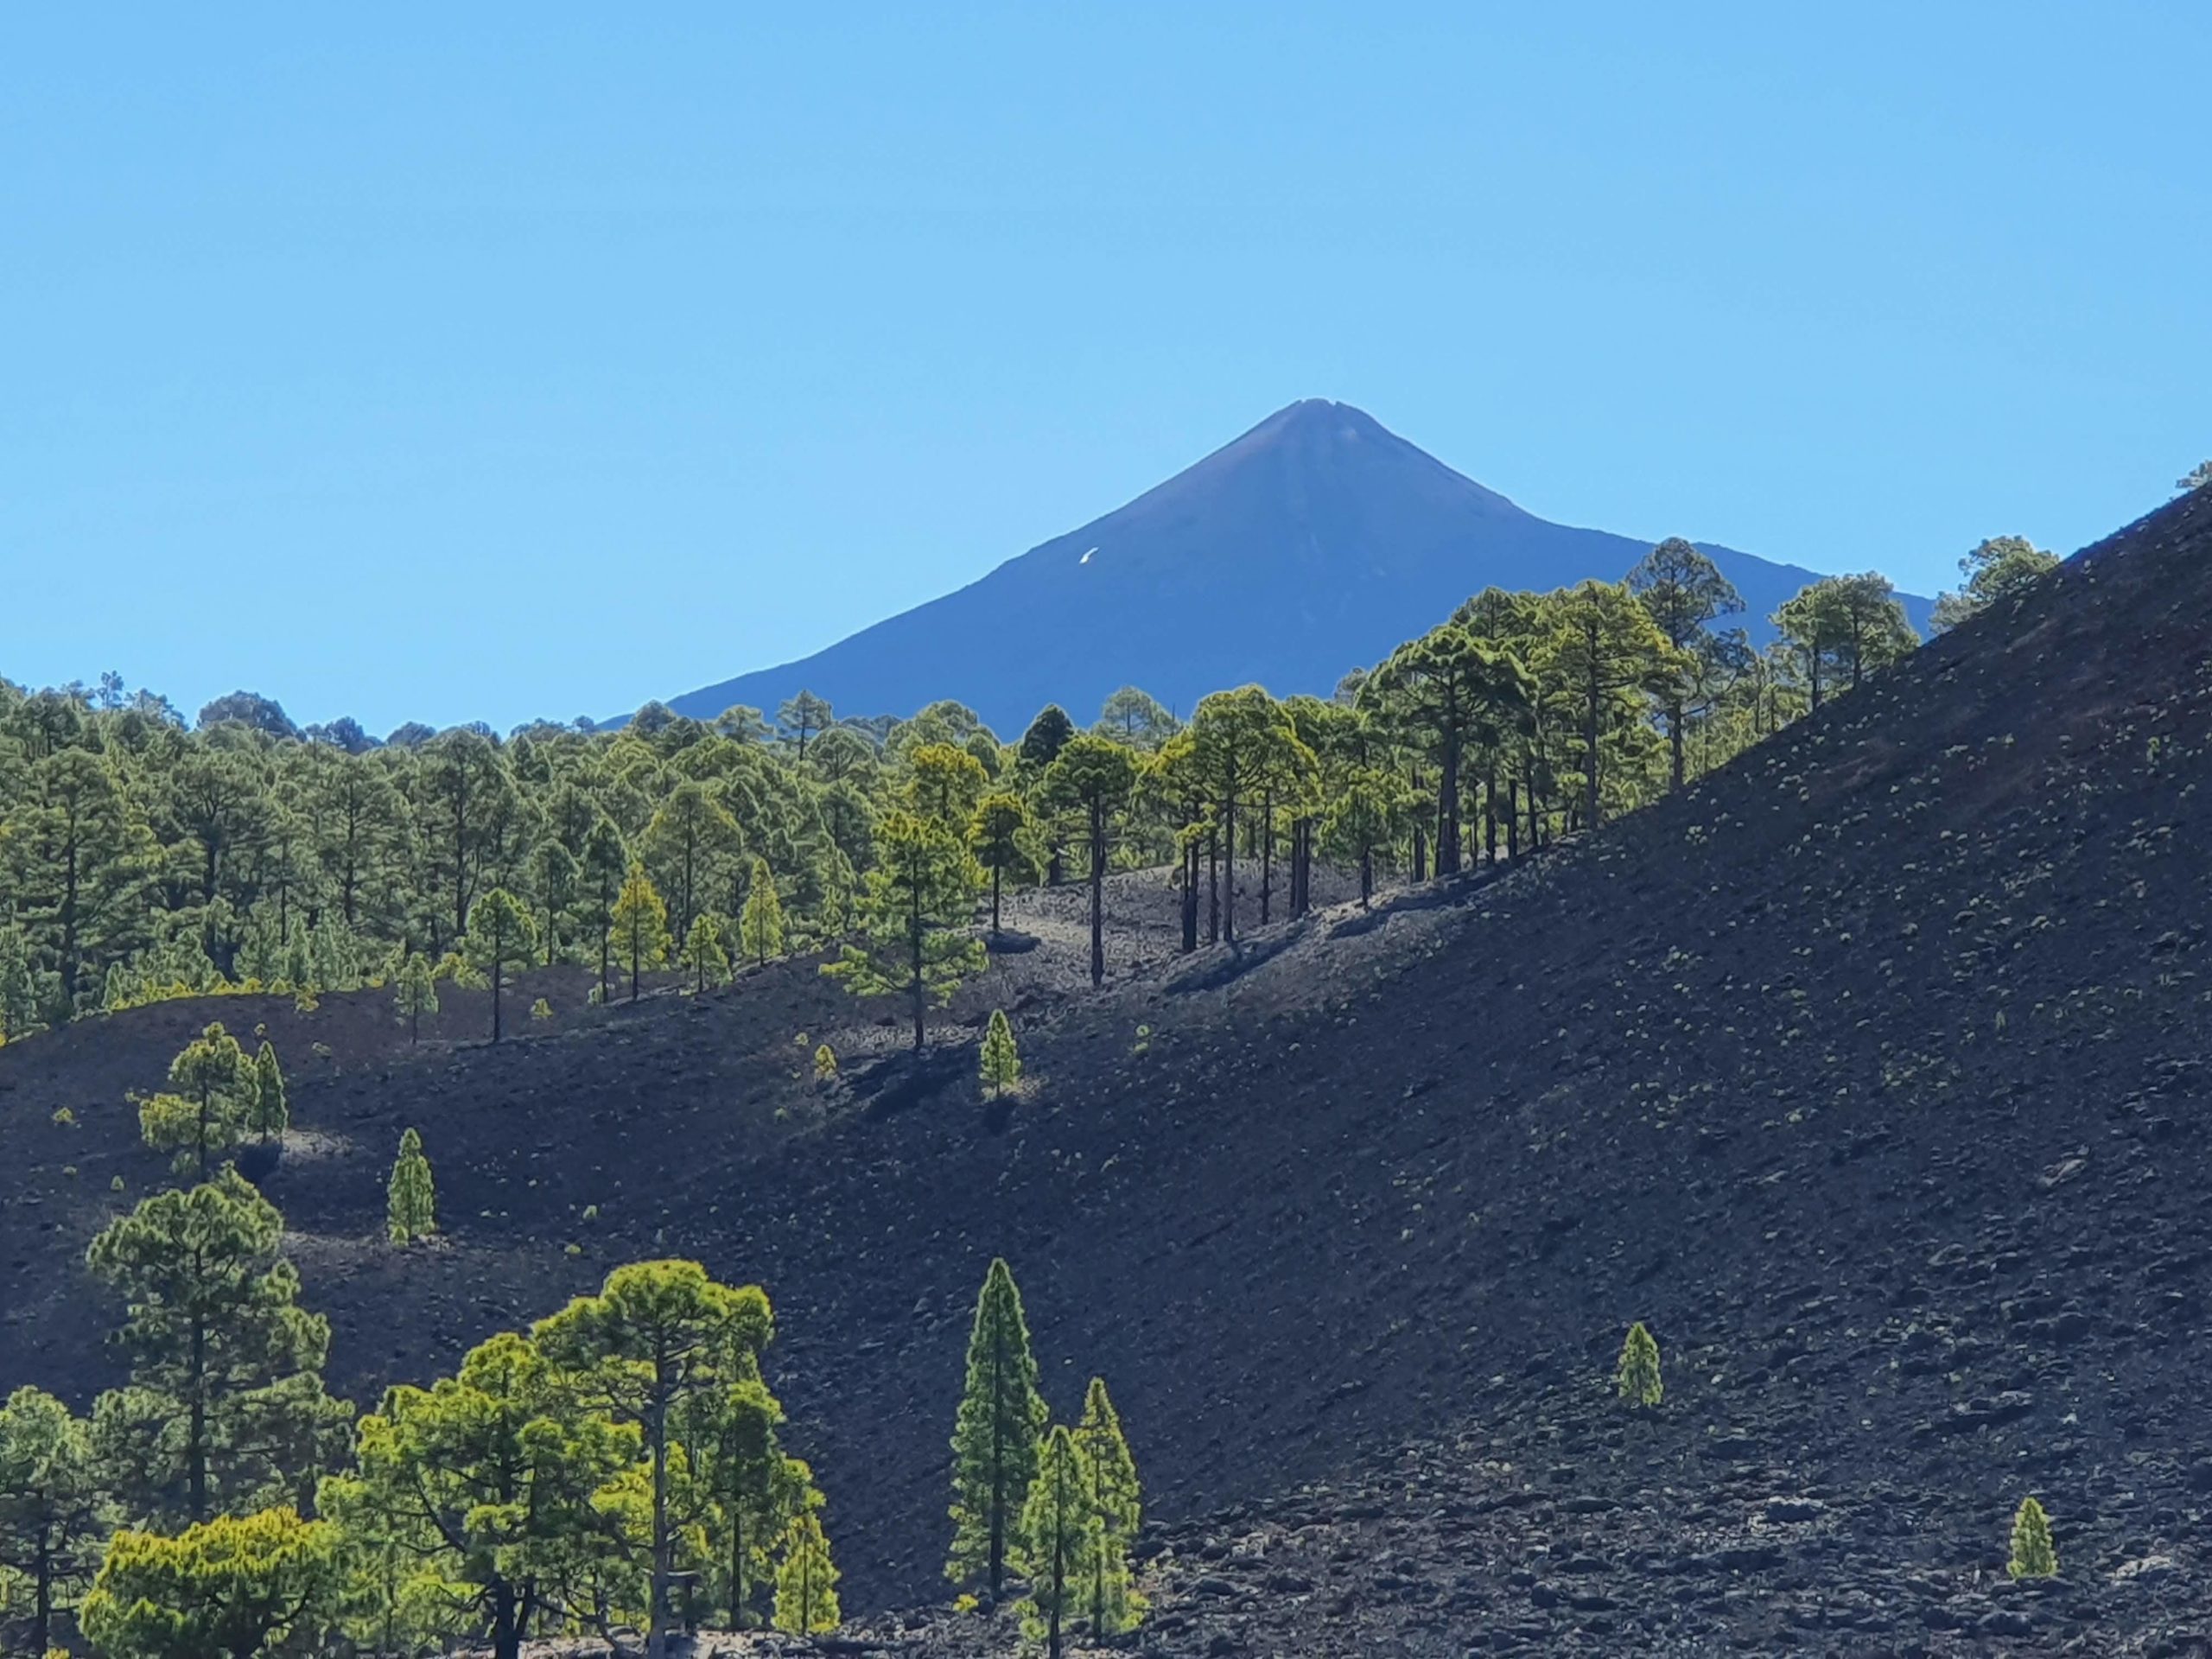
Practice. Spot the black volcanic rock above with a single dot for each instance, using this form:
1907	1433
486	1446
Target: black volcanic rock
1313	544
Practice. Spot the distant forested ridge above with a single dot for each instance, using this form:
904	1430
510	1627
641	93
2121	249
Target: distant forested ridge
142	857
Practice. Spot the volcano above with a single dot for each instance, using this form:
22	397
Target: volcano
1314	544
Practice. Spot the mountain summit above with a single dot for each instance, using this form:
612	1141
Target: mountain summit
1314	544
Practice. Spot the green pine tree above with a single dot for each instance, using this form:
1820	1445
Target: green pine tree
236	1585
1637	1379
411	1199
415	993
806	1581
997	834
2033	1557
1002	1064
1060	1542
825	1066
501	939
658	1335
994	1438
639	925
760	928
18	989
703	949
52	1526
225	1408
737	1481
212	1096
271	1113
915	918
1118	1501
493	1477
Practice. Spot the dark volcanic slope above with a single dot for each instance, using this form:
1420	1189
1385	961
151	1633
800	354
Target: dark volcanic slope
1871	1072
1313	543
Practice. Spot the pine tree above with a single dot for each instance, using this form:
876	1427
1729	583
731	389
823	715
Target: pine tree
415	993
411	1202
1118	1501
1637	1379
605	862
742	1489
236	1585
994	1438
657	1336
825	1066
760	928
703	949
994	834
1059	1541
915	918
1002	1064
2033	1556
801	718
806	1581
491	1475
1684	592
639	927
225	1407
51	1524
501	939
213	1091
18	991
1095	778
1607	654
271	1113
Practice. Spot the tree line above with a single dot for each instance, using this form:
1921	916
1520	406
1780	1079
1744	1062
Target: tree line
140	858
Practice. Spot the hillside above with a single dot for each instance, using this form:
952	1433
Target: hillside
1870	1070
1316	542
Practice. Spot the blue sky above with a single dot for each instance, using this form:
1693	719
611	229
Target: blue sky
502	361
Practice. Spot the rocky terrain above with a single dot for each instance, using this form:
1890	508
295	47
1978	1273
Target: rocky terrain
1871	1072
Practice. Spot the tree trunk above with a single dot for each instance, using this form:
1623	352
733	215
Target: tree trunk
995	901
496	965
1189	895
1229	870
1490	811
1590	754
657	1613
1447	809
1213	885
1512	817
506	1628
1674	741
914	936
196	1457
1098	892
1266	861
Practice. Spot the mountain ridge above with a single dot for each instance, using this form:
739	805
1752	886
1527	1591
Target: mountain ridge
1312	543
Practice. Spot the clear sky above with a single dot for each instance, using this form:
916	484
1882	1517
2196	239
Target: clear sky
487	361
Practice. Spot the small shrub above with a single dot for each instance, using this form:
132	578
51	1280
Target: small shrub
64	1118
304	1000
115	1183
1638	1376
541	1009
825	1066
2033	1557
591	1213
